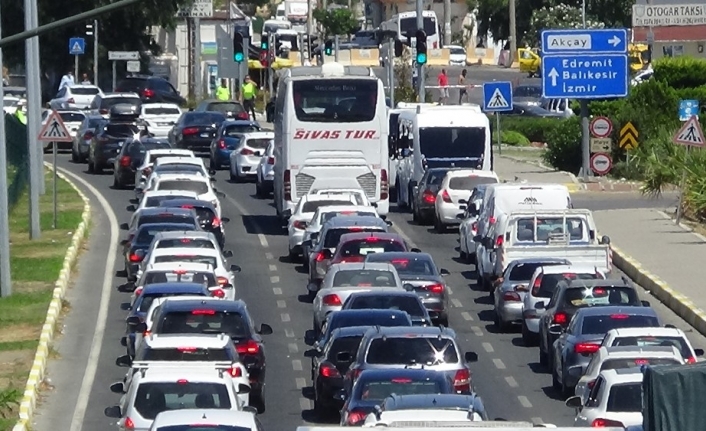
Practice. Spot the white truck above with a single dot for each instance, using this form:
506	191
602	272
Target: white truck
296	12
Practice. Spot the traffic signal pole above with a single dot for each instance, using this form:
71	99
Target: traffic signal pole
391	70
335	47
420	71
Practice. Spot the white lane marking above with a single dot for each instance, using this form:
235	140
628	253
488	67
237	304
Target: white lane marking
537	421
511	381
285	317
245	212
488	347
277	290
263	240
467	316
89	373
448	289
269	256
281	304
289	333
456	303
297	365
524	401
274	279
499	364
304	404
300	382
404	236
293	348
273	268
477	331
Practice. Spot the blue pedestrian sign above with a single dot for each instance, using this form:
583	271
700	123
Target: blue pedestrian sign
688	109
497	96
585	76
613	40
77	46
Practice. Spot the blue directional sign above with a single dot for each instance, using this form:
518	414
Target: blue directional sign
77	46
687	109
585	76
614	40
497	96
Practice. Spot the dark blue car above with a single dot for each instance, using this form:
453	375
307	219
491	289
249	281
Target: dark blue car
227	139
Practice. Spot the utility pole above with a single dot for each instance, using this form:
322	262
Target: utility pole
33	94
5	274
420	72
198	79
513	33
190	48
36	102
92	30
309	24
447	22
335	48
391	70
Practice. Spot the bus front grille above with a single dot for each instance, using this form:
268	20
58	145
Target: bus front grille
368	183
303	183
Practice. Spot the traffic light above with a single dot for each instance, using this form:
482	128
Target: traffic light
328	47
399	48
263	44
421	47
238	51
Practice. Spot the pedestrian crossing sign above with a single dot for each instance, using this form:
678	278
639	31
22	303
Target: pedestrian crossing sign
54	130
690	134
497	96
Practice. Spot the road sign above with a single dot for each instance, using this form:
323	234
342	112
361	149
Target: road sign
601	127
601	163
199	9
133	66
690	134
77	46
497	96
585	76
688	109
54	130
123	55
628	137
587	41
601	145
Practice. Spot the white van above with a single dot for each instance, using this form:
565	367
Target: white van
502	199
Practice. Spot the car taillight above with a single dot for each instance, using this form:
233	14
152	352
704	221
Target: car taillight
125	161
103	111
147	93
235	372
435	45
586	348
249	347
134	258
146	334
287	185
351	259
474	227
499	241
129	425
691	360
436	288
536	285
606	423
328	370
190	131
88	136
384	185
445	197
355	417
138	292
218	293
560	318
222	281
491	220
299	224
243	115
462	380
216	222
270	160
619	316
320	256
247	152
428	196
331	300
511	297
591	384
222	144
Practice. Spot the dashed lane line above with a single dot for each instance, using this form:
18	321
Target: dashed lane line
456	303
537	421
300	382
448	289
269	256
467	316
281	304
273	268
277	290
289	333
285	317
293	347
524	401
297	365
263	240
274	279
511	382
499	364
488	347
477	331
304	404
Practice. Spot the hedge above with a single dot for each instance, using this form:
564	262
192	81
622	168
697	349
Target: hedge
681	72
535	129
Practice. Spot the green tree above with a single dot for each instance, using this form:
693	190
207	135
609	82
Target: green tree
559	16
337	21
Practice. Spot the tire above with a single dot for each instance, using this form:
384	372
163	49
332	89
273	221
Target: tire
91	167
543	358
415	216
232	177
499	324
528	339
410	201
292	256
97	169
211	165
556	384
116	183
74	156
565	390
438	226
462	254
259	192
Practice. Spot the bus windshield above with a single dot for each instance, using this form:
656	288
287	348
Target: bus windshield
452	142
335	101
408	25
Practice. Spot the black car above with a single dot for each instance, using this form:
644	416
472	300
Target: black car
215	317
109	137
528	109
160	215
408	302
135	248
195	130
327	371
206	214
342	319
102	104
131	156
233	110
373	386
152	89
424	195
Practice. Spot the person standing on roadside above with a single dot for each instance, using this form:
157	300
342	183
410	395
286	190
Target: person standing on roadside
85	80
443	87
248	95
67	80
222	92
462	91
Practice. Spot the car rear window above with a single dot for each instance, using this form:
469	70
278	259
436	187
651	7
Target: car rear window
155	398
344	344
72	117
192	258
131	85
362	278
186	242
623	363
470	182
180	276
138	149
408	304
626	397
226	107
373	391
369	246
121	130
205	321
405	266
155	201
147	300
579	297
603	324
198	427
85	91
328	216
548	283
372	319
525	271
233	131
109	102
197	187
178	168
203	118
162	110
647	341
333	236
258	143
549	229
187	354
145	236
312	206
411	350
166	218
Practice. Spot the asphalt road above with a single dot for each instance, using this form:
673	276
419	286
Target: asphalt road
507	375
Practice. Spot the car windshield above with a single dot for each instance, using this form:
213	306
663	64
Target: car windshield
333	236
329	215
155	201
206	321
203	118
344	344
192	258
345	320
186	242
198	187
260	143
146	301
603	324
412	350
458	50
626	398
161	110
235	130
85	91
374	391
178	168
436	176
364	278
225	107
180	276
371	245
311	206
547	229
409	266
548	283
327	100
145	236
470	182
409	304
623	363
579	297
680	343
72	117
153	398
523	272
452	142
186	354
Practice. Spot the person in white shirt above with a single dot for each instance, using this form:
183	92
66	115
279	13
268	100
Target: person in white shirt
67	80
85	80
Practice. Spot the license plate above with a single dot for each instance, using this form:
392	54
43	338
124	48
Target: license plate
205	135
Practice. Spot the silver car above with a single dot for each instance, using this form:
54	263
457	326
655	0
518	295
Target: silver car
266	172
326	213
343	279
82	139
245	158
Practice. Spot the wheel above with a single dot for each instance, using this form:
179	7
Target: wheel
556	384
543	358
316	327
260	401
444	320
499	324
259	192
410	201
565	390
91	167
74	156
211	165
462	254
116	183
97	169
292	256
232	177
415	215
438	226
529	339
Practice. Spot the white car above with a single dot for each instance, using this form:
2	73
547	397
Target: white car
643	337
614	401
343	279
72	120
75	97
9	104
615	358
457	55
145	169
224	272
301	216
264	184
245	157
191	183
468	228
326	213
434	410
358	194
153	199
455	187
173	165
160	118
216	419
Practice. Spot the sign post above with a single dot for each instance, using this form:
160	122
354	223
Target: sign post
116	56
585	64
497	97
54	131
691	135
77	46
628	140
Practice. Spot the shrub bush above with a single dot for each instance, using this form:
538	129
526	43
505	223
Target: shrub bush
681	72
534	129
564	146
512	138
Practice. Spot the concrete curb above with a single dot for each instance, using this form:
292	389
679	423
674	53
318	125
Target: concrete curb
36	374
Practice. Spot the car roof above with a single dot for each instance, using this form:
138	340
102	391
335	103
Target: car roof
158	374
157	193
114	95
361	236
608	310
390	255
384	292
203	341
150	211
211	416
170	151
342	208
632	351
646	332
538	260
183	177
263	134
160	105
371	266
409	331
70	111
207	303
623	375
561	269
173	288
239	122
178	159
184	233
322	197
354	220
172	266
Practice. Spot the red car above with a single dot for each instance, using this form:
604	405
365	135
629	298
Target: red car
354	247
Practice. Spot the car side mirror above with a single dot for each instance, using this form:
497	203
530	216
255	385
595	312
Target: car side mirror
471	357
142	327
539	305
225	220
555	329
220	194
699	352
212	172
131	208
444	272
123	361
132	279
415	250
287	214
133	320
113	412
374	204
388	223
227	254
265	329
473	208
344	357
605	240
645	303
462	207
212	179
124	226
314	236
235	269
574	402
123	341
243	389
250	409
312	353
117	388
408	287
306	243
309	337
